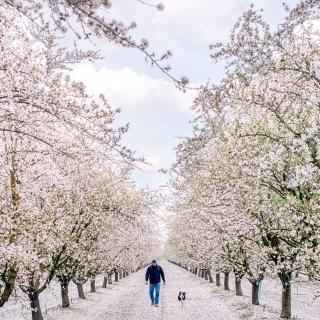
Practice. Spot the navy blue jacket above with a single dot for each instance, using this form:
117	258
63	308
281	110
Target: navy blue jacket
154	273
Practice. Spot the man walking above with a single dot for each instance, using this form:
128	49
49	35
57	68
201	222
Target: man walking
154	274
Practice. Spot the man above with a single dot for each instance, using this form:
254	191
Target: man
154	274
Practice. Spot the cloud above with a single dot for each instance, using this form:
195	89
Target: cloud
156	110
153	164
130	90
202	21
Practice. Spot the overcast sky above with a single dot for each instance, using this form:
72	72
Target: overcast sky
158	113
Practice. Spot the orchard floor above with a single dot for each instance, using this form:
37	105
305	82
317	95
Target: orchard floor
128	299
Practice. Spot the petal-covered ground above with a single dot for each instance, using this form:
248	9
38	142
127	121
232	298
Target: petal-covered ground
128	299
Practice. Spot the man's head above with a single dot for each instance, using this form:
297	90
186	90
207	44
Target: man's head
154	262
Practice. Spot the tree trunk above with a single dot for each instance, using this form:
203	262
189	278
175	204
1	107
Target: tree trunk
210	276
255	292
35	305
218	280
120	275
195	270
238	286
116	276
93	285
202	273
110	278
80	291
65	294
10	276
226	281
105	281
286	300
206	274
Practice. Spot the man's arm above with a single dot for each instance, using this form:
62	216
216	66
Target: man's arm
162	274
147	274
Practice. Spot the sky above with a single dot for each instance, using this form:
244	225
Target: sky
159	114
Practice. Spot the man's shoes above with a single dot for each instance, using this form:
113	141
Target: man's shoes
157	305
152	303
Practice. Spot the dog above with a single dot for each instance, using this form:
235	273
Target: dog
181	297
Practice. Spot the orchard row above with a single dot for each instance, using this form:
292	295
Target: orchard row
247	184
68	207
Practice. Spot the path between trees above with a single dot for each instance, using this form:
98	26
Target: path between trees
129	300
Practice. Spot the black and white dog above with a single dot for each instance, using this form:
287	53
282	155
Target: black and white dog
181	297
